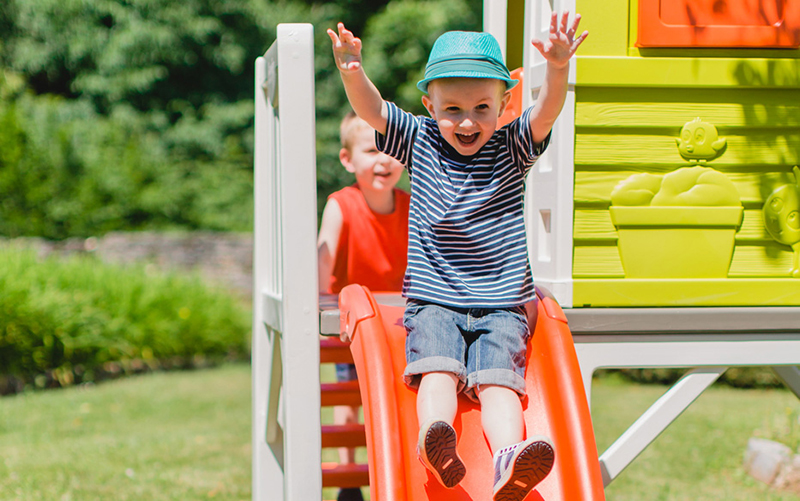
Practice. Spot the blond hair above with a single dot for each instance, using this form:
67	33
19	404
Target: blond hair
351	123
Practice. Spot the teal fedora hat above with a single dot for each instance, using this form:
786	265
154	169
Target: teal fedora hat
466	54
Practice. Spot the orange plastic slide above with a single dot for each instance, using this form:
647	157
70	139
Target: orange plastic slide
555	406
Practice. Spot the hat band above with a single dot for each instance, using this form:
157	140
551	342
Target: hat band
453	64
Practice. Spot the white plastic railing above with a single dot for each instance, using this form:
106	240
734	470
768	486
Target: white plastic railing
548	196
286	431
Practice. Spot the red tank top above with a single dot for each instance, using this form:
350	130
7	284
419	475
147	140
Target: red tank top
373	248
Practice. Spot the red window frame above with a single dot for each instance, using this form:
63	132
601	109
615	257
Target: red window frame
719	23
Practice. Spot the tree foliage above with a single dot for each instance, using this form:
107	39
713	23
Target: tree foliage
138	114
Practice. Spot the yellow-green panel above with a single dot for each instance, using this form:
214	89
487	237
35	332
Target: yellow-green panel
607	23
772	260
686	292
595	225
687	72
682	96
600	261
725	116
659	151
515	33
630	107
752	230
594	187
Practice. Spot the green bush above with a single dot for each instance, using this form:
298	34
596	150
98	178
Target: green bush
67	321
736	377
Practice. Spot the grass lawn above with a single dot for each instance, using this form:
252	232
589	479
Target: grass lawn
165	436
699	457
186	436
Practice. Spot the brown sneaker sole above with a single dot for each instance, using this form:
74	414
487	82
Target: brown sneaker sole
440	455
531	466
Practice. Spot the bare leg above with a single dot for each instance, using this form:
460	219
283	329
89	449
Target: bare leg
344	414
501	416
437	399
437	404
519	466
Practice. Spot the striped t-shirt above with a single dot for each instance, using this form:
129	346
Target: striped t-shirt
466	243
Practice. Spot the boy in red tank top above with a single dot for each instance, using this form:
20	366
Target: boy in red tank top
363	237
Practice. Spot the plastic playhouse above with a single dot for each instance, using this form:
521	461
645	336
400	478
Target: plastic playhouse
664	219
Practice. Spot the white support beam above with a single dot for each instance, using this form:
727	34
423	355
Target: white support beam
684	350
655	420
790	376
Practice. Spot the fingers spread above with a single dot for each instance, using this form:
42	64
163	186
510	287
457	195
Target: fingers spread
564	20
580	39
576	22
334	37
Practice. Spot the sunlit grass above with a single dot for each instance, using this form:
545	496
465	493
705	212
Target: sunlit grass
165	436
186	436
700	456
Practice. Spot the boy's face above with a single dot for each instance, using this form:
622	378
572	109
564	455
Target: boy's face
466	110
373	170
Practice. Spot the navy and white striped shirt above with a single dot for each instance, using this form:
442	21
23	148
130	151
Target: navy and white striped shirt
466	243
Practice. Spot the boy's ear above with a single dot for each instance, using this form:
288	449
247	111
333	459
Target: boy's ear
428	104
346	159
504	100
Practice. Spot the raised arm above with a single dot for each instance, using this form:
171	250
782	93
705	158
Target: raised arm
364	97
557	50
330	230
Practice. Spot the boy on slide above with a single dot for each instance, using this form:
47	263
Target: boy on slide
468	275
363	238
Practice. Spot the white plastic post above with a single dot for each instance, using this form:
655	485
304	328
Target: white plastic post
495	21
655	420
286	386
550	184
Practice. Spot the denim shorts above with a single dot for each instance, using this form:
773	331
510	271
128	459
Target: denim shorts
480	346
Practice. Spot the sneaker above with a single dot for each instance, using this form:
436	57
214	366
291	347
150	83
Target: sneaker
518	468
437	451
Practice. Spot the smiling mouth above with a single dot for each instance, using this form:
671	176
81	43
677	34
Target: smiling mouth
467	139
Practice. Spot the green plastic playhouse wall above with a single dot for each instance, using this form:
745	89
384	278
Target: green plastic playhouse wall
679	225
631	108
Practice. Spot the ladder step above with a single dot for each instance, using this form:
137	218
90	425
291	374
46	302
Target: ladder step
344	475
344	435
333	351
344	393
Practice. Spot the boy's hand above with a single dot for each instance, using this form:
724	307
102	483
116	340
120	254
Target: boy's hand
346	49
561	44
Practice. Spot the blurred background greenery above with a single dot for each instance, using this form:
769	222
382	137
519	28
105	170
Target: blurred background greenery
128	115
138	114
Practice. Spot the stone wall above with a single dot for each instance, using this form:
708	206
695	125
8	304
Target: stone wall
222	259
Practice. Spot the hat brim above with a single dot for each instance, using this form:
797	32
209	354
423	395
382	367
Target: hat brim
423	84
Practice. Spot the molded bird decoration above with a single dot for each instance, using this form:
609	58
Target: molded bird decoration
782	218
699	142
